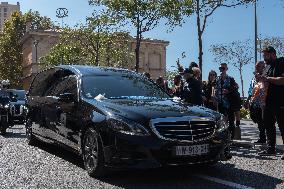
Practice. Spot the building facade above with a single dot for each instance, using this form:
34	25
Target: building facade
37	44
6	11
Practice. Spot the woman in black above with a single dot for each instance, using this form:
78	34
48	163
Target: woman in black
208	91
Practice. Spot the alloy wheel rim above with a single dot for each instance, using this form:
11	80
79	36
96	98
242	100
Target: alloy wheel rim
91	152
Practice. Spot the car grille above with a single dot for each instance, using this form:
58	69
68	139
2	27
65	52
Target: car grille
185	130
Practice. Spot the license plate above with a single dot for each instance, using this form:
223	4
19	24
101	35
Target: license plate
192	150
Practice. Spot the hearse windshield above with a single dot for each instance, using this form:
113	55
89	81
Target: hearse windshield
120	86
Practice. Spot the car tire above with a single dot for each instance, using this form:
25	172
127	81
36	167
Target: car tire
93	155
31	140
4	126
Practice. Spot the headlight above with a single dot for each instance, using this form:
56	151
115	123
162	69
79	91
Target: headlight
7	106
1	106
126	126
221	124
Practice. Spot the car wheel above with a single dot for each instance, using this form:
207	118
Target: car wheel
93	154
31	140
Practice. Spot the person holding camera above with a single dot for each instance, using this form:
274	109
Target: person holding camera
274	102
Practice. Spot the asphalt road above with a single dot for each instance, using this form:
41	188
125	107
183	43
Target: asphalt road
47	166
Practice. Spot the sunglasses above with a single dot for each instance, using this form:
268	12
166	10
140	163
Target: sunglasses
222	68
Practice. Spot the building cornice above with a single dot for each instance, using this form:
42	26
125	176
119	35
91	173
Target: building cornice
32	33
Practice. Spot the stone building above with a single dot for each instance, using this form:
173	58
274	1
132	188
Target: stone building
38	43
6	11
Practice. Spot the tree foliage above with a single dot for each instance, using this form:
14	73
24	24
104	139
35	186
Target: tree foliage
11	47
97	43
143	15
237	53
38	22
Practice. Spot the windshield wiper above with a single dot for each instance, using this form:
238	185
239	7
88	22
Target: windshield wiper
118	97
134	97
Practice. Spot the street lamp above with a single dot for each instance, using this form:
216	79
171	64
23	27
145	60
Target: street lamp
61	13
35	45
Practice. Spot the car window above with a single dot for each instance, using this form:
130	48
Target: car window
65	85
19	94
40	82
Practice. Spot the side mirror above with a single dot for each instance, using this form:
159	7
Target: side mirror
67	97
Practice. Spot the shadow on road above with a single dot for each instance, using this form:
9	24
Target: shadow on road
178	177
187	177
173	177
61	153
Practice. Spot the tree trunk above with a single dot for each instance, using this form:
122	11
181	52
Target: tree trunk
108	54
137	49
242	82
199	38
97	53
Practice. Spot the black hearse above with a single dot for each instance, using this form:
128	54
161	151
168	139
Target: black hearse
116	118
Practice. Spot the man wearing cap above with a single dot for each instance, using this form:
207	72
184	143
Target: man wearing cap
274	103
192	90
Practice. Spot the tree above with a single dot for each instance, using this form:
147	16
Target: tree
38	22
144	15
204	9
10	50
11	47
237	53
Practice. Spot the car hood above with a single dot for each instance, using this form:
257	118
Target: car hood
142	110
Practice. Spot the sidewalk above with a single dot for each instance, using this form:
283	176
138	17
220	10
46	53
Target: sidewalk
249	134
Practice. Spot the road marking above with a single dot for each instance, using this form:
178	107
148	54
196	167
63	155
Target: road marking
224	182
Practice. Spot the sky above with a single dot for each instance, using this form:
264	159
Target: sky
225	25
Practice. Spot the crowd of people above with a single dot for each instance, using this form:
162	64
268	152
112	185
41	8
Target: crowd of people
220	93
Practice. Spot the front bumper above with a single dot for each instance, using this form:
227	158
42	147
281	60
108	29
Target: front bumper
124	151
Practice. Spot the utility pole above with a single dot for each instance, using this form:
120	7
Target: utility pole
255	32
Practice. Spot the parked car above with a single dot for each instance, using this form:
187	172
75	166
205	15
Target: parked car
4	112
117	118
17	105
